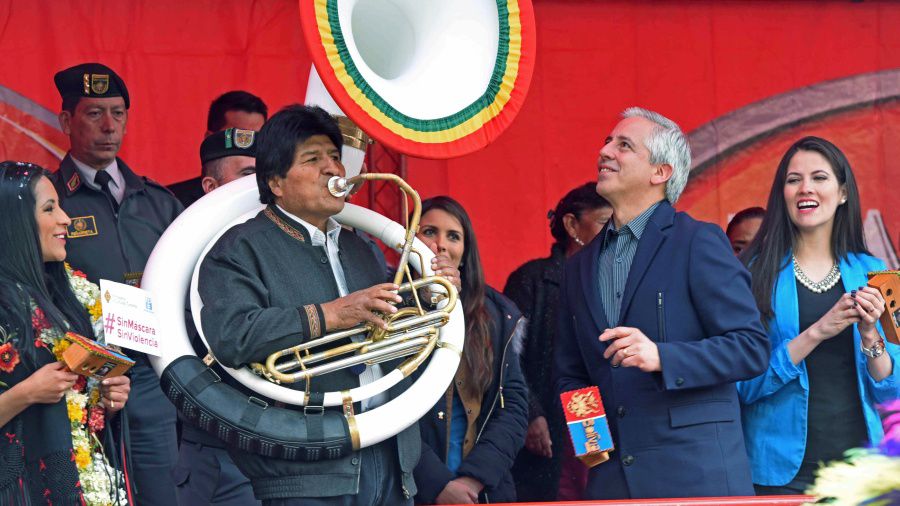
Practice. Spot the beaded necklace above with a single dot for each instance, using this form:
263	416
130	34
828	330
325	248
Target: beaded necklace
834	275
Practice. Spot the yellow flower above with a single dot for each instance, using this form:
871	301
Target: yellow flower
75	412
95	397
82	458
96	310
61	346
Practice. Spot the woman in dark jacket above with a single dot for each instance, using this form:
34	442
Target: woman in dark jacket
534	287
472	436
53	420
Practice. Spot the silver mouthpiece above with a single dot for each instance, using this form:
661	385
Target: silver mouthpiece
338	186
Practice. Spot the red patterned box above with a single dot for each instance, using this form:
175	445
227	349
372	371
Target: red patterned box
588	427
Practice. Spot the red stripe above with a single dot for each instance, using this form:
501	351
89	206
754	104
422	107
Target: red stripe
125	472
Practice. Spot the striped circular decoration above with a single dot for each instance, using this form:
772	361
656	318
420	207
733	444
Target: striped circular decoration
439	125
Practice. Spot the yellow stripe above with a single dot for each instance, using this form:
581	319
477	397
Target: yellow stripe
471	125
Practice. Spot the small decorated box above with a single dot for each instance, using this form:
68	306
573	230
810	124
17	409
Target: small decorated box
587	423
888	283
89	358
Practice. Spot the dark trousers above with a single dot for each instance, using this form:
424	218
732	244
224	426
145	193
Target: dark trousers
803	480
205	474
154	447
379	482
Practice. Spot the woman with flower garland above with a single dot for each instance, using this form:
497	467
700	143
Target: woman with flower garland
829	365
52	420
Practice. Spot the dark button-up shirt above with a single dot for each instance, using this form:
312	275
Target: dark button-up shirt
616	254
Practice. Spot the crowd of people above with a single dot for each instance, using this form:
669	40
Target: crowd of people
730	362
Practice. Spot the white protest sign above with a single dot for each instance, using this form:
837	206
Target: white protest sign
128	317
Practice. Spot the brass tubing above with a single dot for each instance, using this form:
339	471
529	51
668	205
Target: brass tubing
348	362
413	225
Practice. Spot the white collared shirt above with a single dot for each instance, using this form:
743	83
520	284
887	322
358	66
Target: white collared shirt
88	173
330	242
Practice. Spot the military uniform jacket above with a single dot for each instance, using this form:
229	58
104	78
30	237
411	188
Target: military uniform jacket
105	244
262	286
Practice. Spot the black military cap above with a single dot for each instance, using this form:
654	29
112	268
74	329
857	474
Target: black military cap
91	80
231	142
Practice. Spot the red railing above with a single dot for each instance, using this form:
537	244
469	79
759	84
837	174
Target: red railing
770	500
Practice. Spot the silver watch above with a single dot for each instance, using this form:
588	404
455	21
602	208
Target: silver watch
875	351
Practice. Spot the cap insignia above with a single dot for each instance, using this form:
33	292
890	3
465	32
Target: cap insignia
243	138
100	83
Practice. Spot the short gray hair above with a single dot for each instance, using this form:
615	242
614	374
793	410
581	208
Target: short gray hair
667	144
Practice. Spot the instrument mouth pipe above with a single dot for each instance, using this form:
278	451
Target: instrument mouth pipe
339	186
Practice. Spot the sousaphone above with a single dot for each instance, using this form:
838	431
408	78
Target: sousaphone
429	78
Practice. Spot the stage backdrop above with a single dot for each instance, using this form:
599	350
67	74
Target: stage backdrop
745	79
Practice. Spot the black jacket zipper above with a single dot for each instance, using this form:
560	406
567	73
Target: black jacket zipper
499	395
661	316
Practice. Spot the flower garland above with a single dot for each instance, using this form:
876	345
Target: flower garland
868	476
86	416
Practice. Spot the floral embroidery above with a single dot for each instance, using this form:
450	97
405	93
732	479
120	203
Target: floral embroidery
9	357
39	321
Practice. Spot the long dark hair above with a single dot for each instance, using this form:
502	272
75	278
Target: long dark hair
478	357
767	254
23	274
579	200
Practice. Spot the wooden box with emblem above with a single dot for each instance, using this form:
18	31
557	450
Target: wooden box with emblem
588	427
89	358
888	283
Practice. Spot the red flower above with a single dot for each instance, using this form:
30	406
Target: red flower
80	383
39	321
9	357
79	274
38	343
11	437
97	419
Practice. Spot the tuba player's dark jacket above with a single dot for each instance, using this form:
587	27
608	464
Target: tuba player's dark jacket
262	286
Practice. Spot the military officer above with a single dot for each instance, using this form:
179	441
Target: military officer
117	217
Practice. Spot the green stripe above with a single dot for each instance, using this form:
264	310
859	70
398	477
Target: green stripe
423	125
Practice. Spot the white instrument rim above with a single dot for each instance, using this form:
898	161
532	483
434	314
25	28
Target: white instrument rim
173	268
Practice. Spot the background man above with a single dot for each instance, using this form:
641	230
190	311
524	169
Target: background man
657	312
234	109
117	217
205	473
292	273
743	228
227	155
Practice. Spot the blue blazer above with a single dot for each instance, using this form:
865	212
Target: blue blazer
775	410
677	432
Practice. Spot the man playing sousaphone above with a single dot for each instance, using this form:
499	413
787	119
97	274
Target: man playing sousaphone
291	274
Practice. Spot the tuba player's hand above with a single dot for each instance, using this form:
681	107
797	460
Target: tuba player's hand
361	306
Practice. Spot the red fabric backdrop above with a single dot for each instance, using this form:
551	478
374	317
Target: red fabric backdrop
693	61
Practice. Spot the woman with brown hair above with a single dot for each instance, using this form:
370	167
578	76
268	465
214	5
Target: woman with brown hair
471	437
